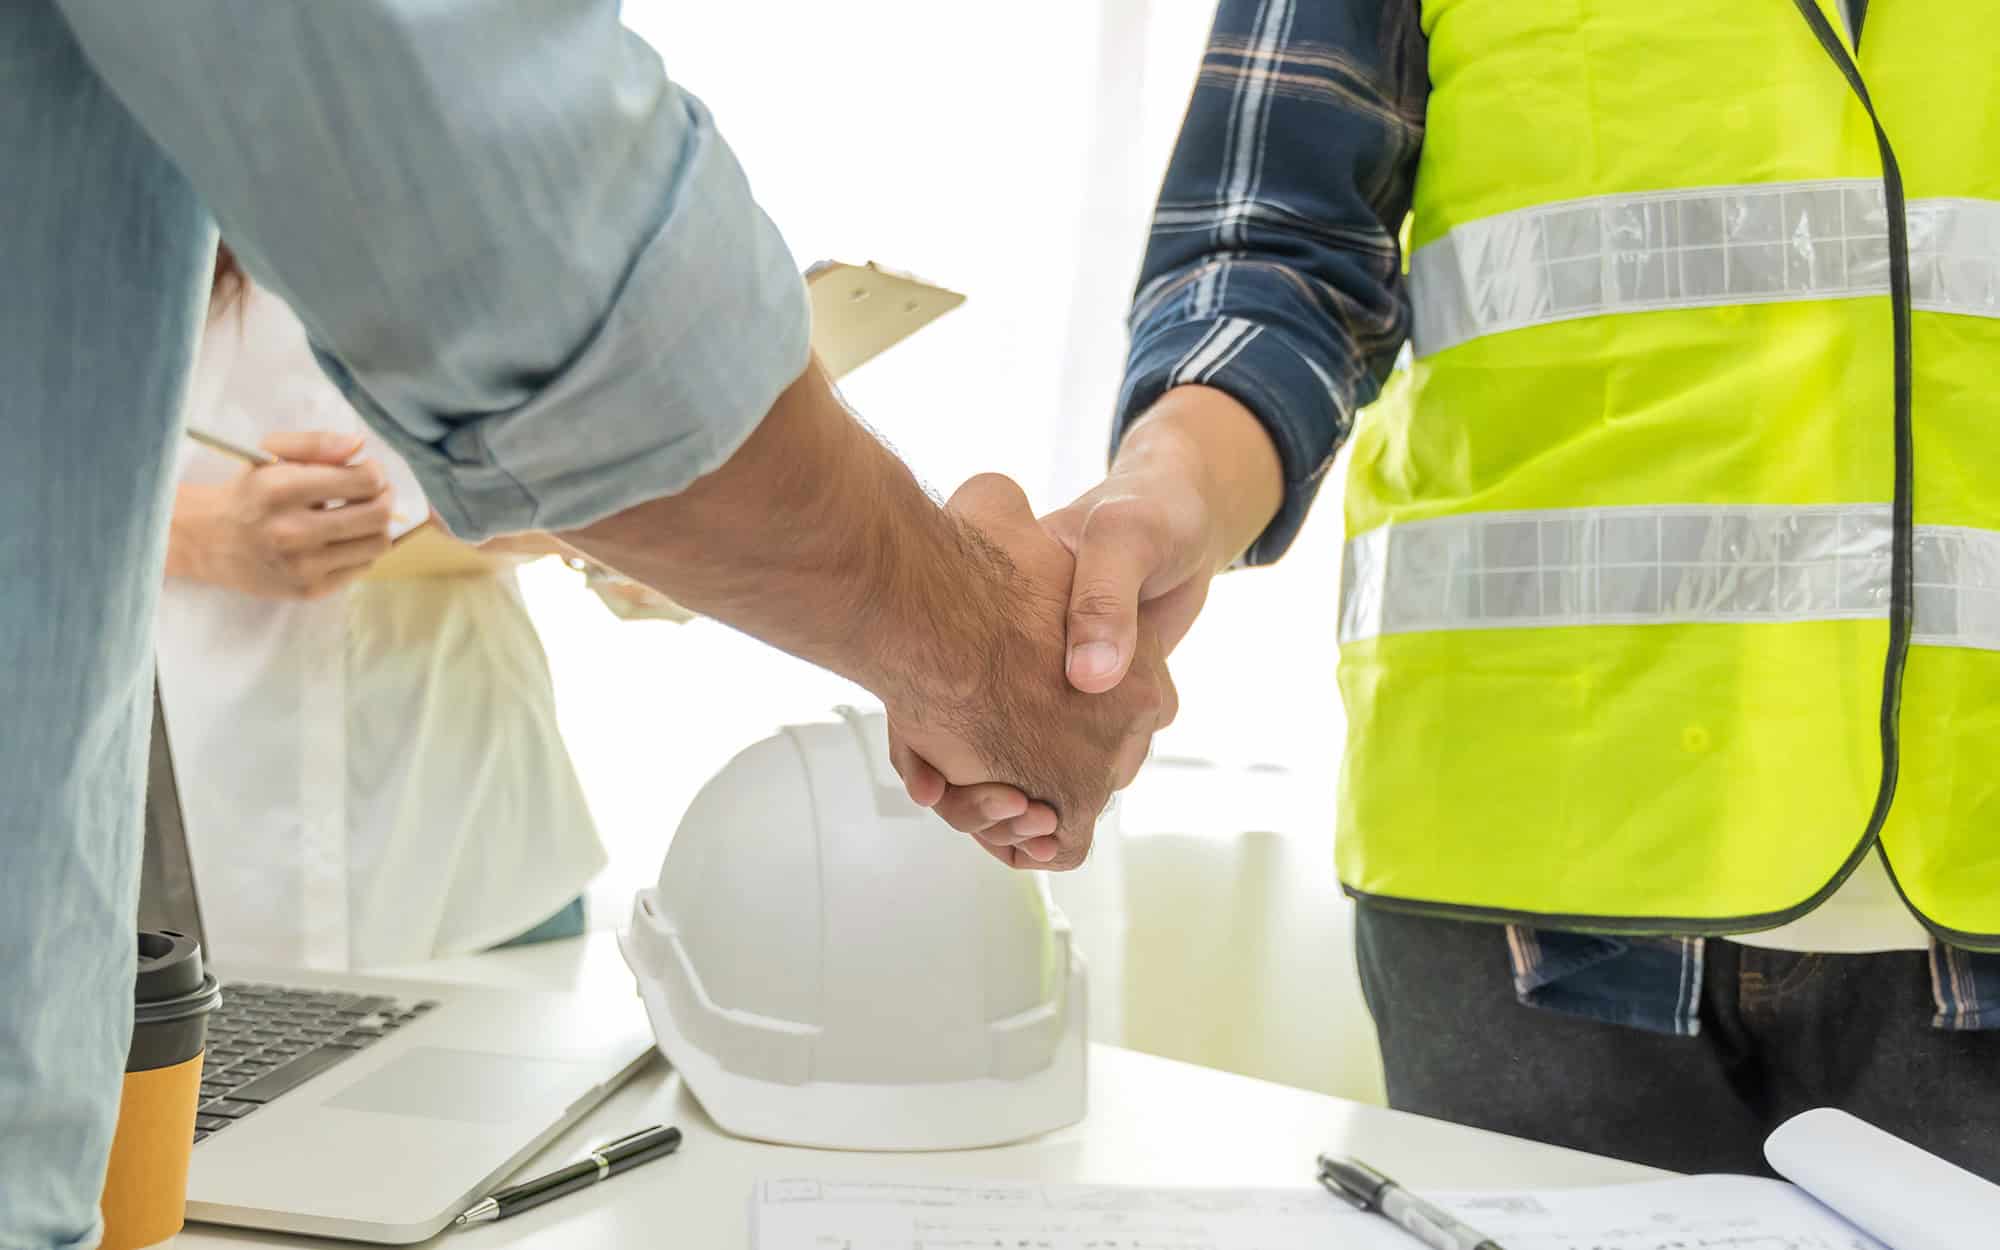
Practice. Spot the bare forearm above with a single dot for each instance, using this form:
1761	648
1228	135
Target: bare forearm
1206	438
816	540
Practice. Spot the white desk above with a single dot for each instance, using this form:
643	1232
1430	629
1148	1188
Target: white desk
1152	1121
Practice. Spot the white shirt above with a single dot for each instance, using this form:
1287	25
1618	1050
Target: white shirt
370	779
1864	916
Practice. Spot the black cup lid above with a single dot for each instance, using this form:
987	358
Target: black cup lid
169	966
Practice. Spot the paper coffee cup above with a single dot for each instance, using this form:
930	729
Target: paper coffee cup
145	1190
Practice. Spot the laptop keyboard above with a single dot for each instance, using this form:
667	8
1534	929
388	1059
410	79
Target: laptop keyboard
266	1040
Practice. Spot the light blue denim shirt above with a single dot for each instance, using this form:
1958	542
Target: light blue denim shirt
526	255
530	259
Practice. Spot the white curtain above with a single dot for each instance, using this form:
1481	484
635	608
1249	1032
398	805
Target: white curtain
1239	946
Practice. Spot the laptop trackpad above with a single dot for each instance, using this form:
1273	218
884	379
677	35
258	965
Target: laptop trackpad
432	1083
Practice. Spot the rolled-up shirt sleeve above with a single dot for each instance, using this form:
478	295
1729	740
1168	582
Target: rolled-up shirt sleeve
527	257
1273	271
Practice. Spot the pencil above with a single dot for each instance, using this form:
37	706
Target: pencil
236	451
256	457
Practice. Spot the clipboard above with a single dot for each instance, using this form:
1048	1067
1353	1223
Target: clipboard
427	551
861	311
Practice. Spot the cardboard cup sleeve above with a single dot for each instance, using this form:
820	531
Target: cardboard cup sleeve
145	1188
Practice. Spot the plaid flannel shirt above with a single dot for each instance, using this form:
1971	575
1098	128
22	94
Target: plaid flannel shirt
1274	274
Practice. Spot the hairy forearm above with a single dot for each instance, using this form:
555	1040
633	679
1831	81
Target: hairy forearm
815	539
1206	438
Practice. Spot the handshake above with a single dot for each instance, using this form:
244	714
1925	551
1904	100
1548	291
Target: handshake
1053	710
1045	702
1022	661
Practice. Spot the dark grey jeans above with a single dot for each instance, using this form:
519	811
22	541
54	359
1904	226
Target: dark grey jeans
1780	1033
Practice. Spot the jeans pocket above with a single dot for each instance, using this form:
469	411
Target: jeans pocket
1646	983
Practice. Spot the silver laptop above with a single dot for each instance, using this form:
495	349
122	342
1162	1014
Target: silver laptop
371	1108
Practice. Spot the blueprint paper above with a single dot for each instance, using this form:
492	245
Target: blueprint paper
1697	1213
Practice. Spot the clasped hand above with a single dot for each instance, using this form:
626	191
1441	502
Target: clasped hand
1046	724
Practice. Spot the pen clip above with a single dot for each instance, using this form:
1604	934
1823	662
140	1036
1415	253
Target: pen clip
628	1139
1331	1183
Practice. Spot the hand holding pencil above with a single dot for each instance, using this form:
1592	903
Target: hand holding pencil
306	518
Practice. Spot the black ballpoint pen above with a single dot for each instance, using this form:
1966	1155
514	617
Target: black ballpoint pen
1363	1187
603	1163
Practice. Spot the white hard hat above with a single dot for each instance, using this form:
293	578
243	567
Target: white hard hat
828	964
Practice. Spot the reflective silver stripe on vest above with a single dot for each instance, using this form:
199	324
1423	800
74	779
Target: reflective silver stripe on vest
1652	566
1697	248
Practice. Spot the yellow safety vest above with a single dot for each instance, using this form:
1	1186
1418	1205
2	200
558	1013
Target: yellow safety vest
1620	642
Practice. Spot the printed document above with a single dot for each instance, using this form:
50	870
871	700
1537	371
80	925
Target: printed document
1854	1188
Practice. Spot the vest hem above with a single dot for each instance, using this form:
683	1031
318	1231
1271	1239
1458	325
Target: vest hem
1584	922
1650	926
1942	934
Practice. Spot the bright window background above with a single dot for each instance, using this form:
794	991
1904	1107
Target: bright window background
1012	152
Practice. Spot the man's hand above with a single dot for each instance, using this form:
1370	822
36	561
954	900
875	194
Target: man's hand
814	538
1195	482
1012	715
299	529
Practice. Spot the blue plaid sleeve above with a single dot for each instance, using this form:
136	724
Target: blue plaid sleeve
1273	271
